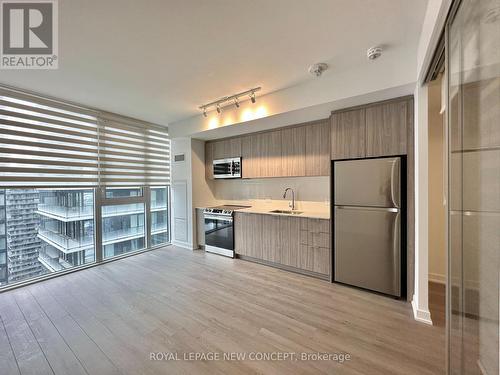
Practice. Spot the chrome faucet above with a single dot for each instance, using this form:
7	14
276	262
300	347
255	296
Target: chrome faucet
292	203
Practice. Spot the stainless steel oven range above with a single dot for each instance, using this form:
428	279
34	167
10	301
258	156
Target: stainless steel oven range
219	232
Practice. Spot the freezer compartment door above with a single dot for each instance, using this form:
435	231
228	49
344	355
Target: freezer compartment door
370	182
368	248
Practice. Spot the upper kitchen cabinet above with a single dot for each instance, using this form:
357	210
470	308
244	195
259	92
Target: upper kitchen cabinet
268	146
318	149
348	131
386	127
227	148
293	151
249	157
261	155
209	158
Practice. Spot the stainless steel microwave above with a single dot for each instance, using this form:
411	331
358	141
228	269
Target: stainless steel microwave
227	168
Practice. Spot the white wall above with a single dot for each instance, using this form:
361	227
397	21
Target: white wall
203	190
437	208
433	24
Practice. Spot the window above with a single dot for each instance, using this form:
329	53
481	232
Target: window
123	228
123	192
77	186
160	233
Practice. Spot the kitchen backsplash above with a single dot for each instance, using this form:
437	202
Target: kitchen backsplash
307	189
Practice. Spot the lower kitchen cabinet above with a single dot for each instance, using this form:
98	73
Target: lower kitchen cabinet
289	237
296	244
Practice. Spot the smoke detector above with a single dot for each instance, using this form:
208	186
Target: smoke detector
374	53
318	69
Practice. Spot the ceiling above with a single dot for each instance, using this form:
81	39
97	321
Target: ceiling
158	60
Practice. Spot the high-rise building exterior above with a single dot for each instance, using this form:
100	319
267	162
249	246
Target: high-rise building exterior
159	216
66	228
23	244
3	240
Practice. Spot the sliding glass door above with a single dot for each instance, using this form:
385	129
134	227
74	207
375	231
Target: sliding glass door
473	68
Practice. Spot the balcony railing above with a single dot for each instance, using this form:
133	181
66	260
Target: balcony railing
158	205
66	213
159	227
65	243
122	234
122	209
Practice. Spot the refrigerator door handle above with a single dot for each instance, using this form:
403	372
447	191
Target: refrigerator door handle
396	254
388	209
394	181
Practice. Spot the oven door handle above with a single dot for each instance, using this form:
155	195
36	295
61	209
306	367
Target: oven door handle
225	218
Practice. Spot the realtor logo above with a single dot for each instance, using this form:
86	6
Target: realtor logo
28	34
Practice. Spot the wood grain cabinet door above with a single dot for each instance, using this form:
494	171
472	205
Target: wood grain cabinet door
290	241
271	239
321	260
318	149
209	157
232	148
248	234
293	151
249	161
268	149
219	149
254	235
240	235
386	128
348	132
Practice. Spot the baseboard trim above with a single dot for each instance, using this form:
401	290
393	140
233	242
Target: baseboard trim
437	278
184	245
423	316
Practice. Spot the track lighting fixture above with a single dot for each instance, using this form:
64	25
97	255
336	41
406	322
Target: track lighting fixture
230	99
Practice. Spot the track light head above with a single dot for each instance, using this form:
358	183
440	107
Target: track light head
237	102
218	108
252	97
205	111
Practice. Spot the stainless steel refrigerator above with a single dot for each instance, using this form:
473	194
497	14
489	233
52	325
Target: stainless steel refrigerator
368	216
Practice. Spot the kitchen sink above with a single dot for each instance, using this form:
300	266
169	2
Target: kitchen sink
286	212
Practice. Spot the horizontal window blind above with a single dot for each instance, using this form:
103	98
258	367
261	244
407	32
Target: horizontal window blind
47	143
131	154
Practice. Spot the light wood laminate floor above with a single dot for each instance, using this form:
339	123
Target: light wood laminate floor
108	319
